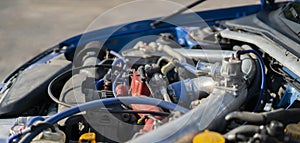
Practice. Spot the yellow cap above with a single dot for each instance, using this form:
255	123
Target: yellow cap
293	130
88	137
209	137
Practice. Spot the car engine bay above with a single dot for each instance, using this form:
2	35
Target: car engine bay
235	82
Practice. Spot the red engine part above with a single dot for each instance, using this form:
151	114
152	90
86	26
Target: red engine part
139	88
121	90
148	122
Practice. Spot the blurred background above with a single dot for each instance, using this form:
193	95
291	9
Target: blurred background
28	27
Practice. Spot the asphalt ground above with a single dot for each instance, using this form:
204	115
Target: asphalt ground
28	27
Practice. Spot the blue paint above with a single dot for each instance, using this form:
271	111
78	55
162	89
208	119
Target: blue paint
290	96
262	3
184	38
290	73
116	37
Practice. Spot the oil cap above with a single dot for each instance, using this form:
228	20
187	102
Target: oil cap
209	137
293	130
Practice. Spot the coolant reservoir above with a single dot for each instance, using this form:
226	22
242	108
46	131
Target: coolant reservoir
209	137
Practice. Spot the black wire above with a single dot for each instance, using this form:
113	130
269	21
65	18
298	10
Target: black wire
56	79
271	64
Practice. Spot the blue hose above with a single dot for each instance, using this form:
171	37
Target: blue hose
34	119
30	122
101	103
117	55
99	82
263	76
123	64
117	61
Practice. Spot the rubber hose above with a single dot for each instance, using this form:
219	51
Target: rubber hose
244	129
263	76
281	115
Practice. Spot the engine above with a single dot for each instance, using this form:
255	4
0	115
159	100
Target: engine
229	84
210	83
